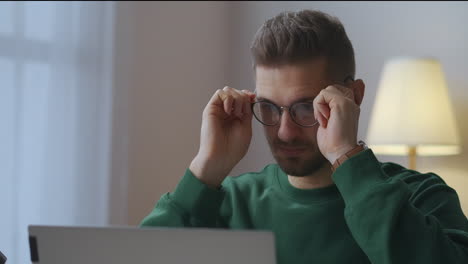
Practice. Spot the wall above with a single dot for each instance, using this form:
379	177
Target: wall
178	59
184	51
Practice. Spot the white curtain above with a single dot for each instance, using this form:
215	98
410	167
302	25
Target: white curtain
55	117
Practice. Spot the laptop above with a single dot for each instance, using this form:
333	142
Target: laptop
2	258
125	245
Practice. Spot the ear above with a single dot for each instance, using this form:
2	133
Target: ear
358	88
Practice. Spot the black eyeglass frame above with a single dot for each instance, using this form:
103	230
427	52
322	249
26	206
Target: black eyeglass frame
281	109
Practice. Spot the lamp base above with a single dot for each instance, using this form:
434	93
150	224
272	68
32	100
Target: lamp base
412	157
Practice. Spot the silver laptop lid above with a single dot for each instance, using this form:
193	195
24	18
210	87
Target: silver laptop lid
125	245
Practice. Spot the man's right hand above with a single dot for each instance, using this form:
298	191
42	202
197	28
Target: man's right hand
225	135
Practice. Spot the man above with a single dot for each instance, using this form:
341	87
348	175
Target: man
328	199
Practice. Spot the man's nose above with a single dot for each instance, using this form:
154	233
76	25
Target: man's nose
288	129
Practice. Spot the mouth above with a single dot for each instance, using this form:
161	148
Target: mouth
288	151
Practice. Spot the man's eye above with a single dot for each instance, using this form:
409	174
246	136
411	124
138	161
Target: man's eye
265	106
305	107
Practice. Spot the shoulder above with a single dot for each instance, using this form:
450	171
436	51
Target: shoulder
423	186
412	178
430	195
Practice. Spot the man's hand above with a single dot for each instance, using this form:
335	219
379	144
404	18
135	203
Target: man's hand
338	116
225	135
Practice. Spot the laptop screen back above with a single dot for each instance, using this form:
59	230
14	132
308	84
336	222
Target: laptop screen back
124	245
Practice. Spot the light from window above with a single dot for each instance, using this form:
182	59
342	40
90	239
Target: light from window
39	20
6	18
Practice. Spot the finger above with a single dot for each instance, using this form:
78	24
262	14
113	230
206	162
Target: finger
246	95
324	114
252	98
231	93
217	98
321	108
319	100
237	103
222	99
323	121
329	96
237	106
317	114
244	100
324	97
228	104
341	90
324	110
247	108
251	95
230	98
318	117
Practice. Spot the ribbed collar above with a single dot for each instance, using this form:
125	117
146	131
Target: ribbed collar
318	195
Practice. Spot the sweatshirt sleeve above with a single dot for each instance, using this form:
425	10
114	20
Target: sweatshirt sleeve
192	204
393	223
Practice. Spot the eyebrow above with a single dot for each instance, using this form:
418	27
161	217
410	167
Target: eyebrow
301	100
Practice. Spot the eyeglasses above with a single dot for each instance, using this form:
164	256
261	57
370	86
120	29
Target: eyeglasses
302	113
269	114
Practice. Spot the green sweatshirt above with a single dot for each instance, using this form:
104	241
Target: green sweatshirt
374	213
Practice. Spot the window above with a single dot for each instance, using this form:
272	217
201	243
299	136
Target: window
55	117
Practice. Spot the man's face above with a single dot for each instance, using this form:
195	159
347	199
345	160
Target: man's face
294	147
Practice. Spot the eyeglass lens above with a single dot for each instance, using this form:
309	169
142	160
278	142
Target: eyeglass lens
269	114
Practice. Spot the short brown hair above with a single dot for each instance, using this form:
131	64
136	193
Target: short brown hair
295	37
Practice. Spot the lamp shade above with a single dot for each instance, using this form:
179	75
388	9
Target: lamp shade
413	109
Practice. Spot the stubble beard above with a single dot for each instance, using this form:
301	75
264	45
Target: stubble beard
304	165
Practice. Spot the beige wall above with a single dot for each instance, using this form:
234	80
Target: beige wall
183	52
178	59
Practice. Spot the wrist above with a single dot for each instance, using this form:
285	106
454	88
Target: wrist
359	147
333	157
207	173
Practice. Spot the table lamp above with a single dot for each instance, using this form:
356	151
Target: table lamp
412	114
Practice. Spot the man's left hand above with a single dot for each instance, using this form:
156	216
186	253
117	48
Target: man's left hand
338	116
